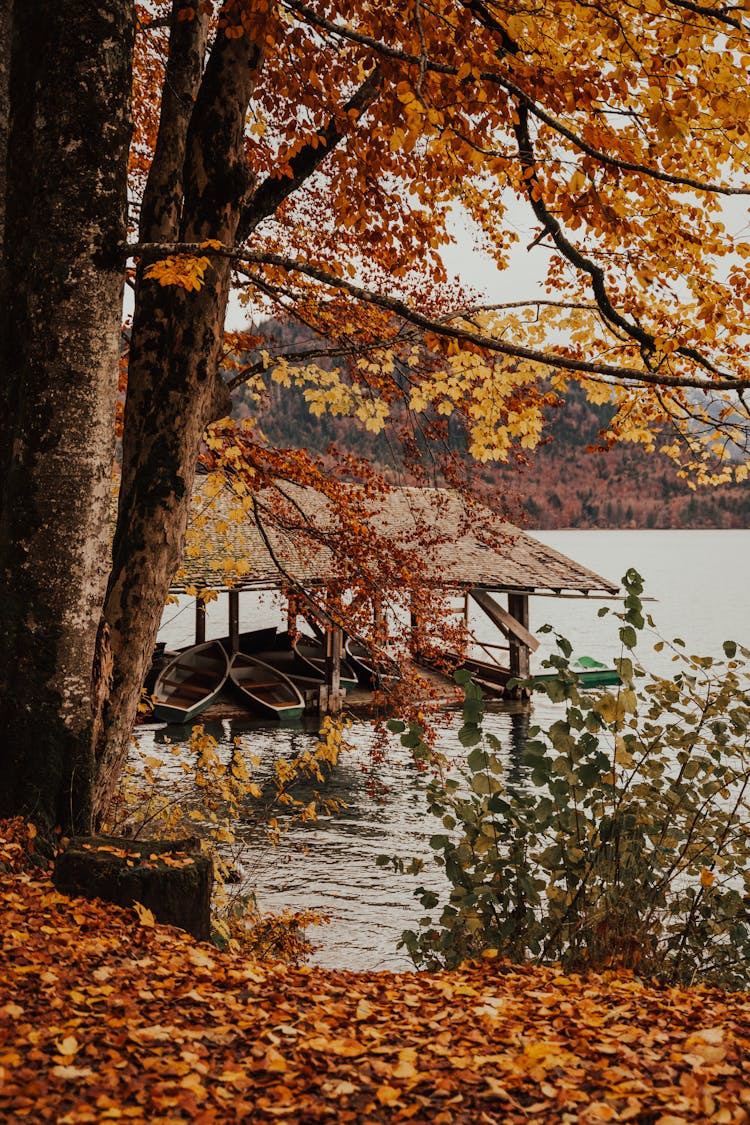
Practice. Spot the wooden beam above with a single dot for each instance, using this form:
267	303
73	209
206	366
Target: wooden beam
200	621
234	620
291	612
331	696
518	608
504	620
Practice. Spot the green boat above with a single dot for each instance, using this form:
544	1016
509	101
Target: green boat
589	672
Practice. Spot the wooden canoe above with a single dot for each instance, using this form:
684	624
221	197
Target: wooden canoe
190	682
488	675
264	689
252	640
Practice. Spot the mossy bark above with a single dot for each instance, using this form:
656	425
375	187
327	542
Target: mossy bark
64	206
174	389
172	879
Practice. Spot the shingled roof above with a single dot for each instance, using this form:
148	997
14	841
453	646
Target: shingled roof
233	542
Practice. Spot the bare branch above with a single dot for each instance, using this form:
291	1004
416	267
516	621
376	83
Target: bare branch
722	14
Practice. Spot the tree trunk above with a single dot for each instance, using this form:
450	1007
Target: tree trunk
174	390
171	878
59	351
6	22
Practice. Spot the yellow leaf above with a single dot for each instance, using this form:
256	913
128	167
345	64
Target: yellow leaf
68	1046
72	1071
707	877
145	917
387	1095
275	1061
708	1044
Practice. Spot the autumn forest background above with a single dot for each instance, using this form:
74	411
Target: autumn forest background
575	478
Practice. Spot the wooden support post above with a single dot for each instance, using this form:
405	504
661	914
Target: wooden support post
414	625
377	611
337	645
518	607
331	694
234	620
466	611
200	621
291	613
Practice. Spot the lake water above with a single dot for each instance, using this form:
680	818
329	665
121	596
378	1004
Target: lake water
699	580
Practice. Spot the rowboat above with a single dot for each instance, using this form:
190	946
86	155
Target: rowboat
311	654
253	640
364	664
264	689
190	682
589	672
488	675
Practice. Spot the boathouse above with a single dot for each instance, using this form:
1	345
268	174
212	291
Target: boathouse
285	540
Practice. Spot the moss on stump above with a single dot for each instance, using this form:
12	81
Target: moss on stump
169	877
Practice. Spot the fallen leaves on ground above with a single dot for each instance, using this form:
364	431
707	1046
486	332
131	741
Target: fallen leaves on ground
105	1019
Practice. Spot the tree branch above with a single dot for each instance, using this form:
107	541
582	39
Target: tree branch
512	88
162	199
275	189
553	227
555	360
720	14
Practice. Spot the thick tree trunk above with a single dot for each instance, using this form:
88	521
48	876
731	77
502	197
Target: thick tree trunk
59	351
6	16
6	20
173	387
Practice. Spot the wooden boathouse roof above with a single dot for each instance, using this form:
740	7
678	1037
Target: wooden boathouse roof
233	543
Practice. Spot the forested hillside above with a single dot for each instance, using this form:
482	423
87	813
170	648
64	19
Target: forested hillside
571	480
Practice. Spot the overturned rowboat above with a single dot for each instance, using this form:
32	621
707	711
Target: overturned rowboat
588	672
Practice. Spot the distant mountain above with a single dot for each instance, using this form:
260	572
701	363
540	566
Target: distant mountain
560	484
563	485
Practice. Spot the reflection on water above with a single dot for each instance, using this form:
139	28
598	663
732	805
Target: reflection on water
329	864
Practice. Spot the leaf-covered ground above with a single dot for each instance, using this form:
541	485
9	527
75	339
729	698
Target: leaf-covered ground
103	1018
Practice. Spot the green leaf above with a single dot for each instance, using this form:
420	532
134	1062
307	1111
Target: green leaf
469	734
477	760
483	784
628	636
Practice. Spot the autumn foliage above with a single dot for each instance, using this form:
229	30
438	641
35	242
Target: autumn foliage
616	138
106	1017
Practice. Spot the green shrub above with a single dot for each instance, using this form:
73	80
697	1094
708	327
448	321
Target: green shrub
626	844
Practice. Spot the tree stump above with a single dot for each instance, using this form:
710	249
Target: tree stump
169	877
